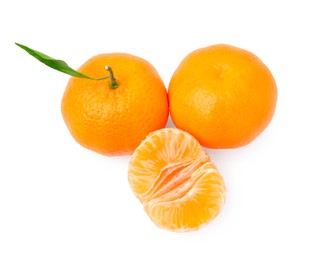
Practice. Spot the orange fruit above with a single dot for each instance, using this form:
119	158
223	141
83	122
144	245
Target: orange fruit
175	180
113	121
223	95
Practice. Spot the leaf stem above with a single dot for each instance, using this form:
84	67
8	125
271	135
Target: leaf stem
113	84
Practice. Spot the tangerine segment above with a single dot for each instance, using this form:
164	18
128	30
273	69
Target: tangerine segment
168	148
175	180
200	204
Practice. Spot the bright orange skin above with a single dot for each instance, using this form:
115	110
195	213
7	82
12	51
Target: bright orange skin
223	95
114	121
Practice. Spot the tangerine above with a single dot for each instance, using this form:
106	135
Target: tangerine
175	180
113	116
223	95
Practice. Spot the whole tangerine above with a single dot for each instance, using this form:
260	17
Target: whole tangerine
222	95
113	116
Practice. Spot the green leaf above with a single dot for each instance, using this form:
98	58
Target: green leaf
59	65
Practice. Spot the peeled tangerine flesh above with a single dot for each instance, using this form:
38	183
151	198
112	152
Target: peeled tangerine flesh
175	180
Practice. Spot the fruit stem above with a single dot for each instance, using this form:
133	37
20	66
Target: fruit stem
113	83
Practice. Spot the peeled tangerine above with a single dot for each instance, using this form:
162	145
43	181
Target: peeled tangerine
178	185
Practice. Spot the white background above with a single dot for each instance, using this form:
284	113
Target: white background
61	201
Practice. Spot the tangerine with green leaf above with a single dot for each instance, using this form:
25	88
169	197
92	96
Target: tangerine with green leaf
111	112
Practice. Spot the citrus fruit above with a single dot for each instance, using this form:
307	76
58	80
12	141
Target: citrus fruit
223	95
178	185
113	116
